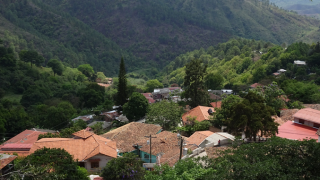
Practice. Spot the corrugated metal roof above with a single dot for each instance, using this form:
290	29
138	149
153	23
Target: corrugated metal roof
291	130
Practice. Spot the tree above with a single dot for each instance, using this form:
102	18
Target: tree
301	91
31	56
33	95
273	95
194	125
153	84
278	158
87	70
129	166
57	164
122	86
56	66
136	107
214	81
194	83
259	74
166	114
60	116
92	96
251	116
97	128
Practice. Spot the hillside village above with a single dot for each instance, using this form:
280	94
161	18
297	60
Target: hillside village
159	90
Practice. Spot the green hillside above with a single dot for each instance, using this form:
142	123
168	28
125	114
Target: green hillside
55	34
287	3
159	30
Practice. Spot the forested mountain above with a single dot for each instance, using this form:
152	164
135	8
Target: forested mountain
148	33
26	25
161	29
303	7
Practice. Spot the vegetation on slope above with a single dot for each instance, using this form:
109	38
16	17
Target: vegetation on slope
160	30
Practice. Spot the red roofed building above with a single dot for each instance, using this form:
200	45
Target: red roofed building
216	104
305	124
92	151
198	137
295	131
255	85
200	112
22	142
149	97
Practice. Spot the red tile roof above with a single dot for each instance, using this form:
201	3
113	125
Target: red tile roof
198	137
149	97
291	130
21	142
308	114
82	147
255	85
5	159
216	104
201	112
131	133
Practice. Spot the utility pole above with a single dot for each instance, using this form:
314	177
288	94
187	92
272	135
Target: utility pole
150	144
181	144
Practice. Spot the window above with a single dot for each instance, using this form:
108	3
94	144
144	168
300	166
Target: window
316	125
146	156
94	164
301	121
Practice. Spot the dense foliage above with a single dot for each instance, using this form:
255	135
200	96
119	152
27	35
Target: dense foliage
56	163
136	107
129	166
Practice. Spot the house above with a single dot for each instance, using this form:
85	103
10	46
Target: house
299	63
201	113
307	116
87	118
226	91
92	151
22	143
204	139
5	163
149	97
122	118
104	85
275	74
159	94
305	124
164	148
199	137
216	104
214	96
110	115
255	85
130	134
280	71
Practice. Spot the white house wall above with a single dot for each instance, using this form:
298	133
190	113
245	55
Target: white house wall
102	163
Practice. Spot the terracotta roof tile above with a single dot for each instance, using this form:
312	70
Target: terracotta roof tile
201	112
216	104
198	137
214	96
131	133
83	134
80	148
5	159
215	152
172	157
308	114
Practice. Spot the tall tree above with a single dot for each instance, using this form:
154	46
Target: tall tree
194	83
122	87
56	66
252	115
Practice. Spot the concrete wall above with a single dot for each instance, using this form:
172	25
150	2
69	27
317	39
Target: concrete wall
102	163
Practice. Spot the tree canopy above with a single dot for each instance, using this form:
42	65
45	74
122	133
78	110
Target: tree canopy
136	107
165	113
122	86
153	84
56	66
